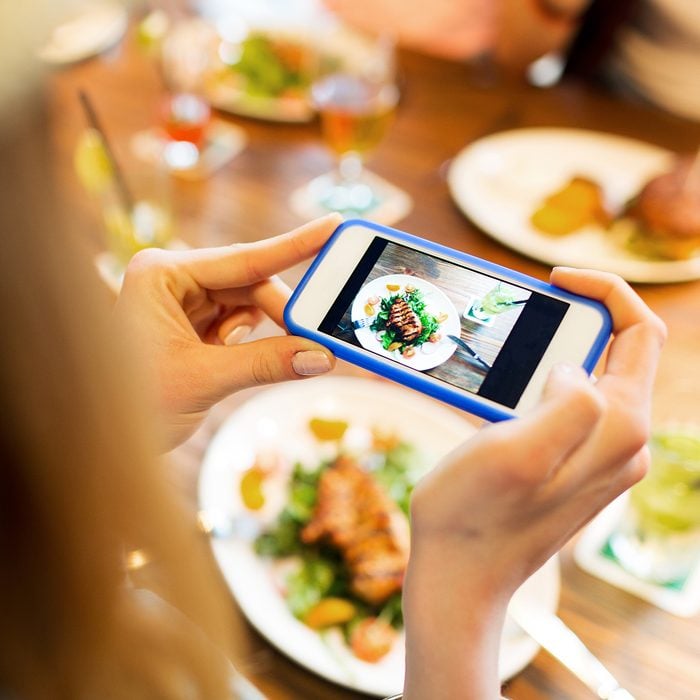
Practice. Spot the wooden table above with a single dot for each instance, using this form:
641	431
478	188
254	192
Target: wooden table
655	655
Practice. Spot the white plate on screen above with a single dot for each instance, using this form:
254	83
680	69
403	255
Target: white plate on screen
277	418
429	354
498	182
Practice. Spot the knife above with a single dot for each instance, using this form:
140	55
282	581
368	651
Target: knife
552	634
457	340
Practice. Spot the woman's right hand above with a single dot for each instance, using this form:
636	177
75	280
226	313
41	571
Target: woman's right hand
500	505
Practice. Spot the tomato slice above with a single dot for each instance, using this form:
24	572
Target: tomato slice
372	639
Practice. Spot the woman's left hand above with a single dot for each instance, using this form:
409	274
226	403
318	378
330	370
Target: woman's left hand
185	313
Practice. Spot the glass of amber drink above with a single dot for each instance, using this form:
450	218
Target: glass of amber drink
356	102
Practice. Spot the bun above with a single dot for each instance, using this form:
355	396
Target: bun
667	210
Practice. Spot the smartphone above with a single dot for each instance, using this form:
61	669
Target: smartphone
463	330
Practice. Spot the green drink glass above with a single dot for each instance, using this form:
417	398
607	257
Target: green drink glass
658	537
497	300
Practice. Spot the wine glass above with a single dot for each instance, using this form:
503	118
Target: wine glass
355	97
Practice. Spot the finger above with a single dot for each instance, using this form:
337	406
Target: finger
238	325
271	296
632	361
624	304
266	361
242	265
532	448
639	332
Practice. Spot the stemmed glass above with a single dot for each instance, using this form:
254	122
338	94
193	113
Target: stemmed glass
355	97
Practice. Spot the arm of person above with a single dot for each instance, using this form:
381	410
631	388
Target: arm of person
529	29
184	314
500	505
512	32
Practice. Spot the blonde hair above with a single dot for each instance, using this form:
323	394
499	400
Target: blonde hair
79	481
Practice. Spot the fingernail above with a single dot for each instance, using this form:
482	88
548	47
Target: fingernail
568	370
309	362
237	335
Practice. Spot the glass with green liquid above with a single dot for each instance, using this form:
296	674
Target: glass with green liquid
497	300
658	538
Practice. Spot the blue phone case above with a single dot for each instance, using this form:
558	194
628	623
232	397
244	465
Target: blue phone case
454	396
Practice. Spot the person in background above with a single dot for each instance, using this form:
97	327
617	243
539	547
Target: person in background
91	395
642	49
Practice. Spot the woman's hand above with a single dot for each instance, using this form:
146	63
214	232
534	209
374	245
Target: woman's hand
500	505
185	313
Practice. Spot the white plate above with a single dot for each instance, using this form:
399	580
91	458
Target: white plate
428	355
277	418
500	180
97	28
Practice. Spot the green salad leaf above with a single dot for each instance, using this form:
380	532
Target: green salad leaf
322	572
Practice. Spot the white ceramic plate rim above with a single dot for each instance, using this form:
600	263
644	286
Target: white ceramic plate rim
109	22
233	449
499	180
436	302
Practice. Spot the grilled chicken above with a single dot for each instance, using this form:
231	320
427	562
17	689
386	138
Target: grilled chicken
404	320
356	516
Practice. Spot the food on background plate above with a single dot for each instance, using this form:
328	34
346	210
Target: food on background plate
273	65
579	203
265	74
662	221
666	213
338	549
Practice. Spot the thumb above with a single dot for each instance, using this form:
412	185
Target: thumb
266	361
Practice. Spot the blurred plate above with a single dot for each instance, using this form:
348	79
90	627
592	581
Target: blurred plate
500	180
428	355
266	57
95	29
277	419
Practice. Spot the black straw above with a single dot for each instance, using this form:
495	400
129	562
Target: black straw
94	122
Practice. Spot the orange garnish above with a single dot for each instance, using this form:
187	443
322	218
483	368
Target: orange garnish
325	429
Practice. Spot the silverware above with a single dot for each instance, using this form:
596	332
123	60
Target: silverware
221	525
362	323
458	341
552	634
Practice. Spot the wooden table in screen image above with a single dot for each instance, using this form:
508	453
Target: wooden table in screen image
461	286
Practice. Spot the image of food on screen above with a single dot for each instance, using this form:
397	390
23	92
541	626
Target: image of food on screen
432	315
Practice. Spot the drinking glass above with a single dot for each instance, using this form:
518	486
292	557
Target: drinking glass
355	98
134	203
497	300
185	56
184	117
658	536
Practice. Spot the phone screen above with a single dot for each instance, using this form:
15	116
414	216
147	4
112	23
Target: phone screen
469	329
